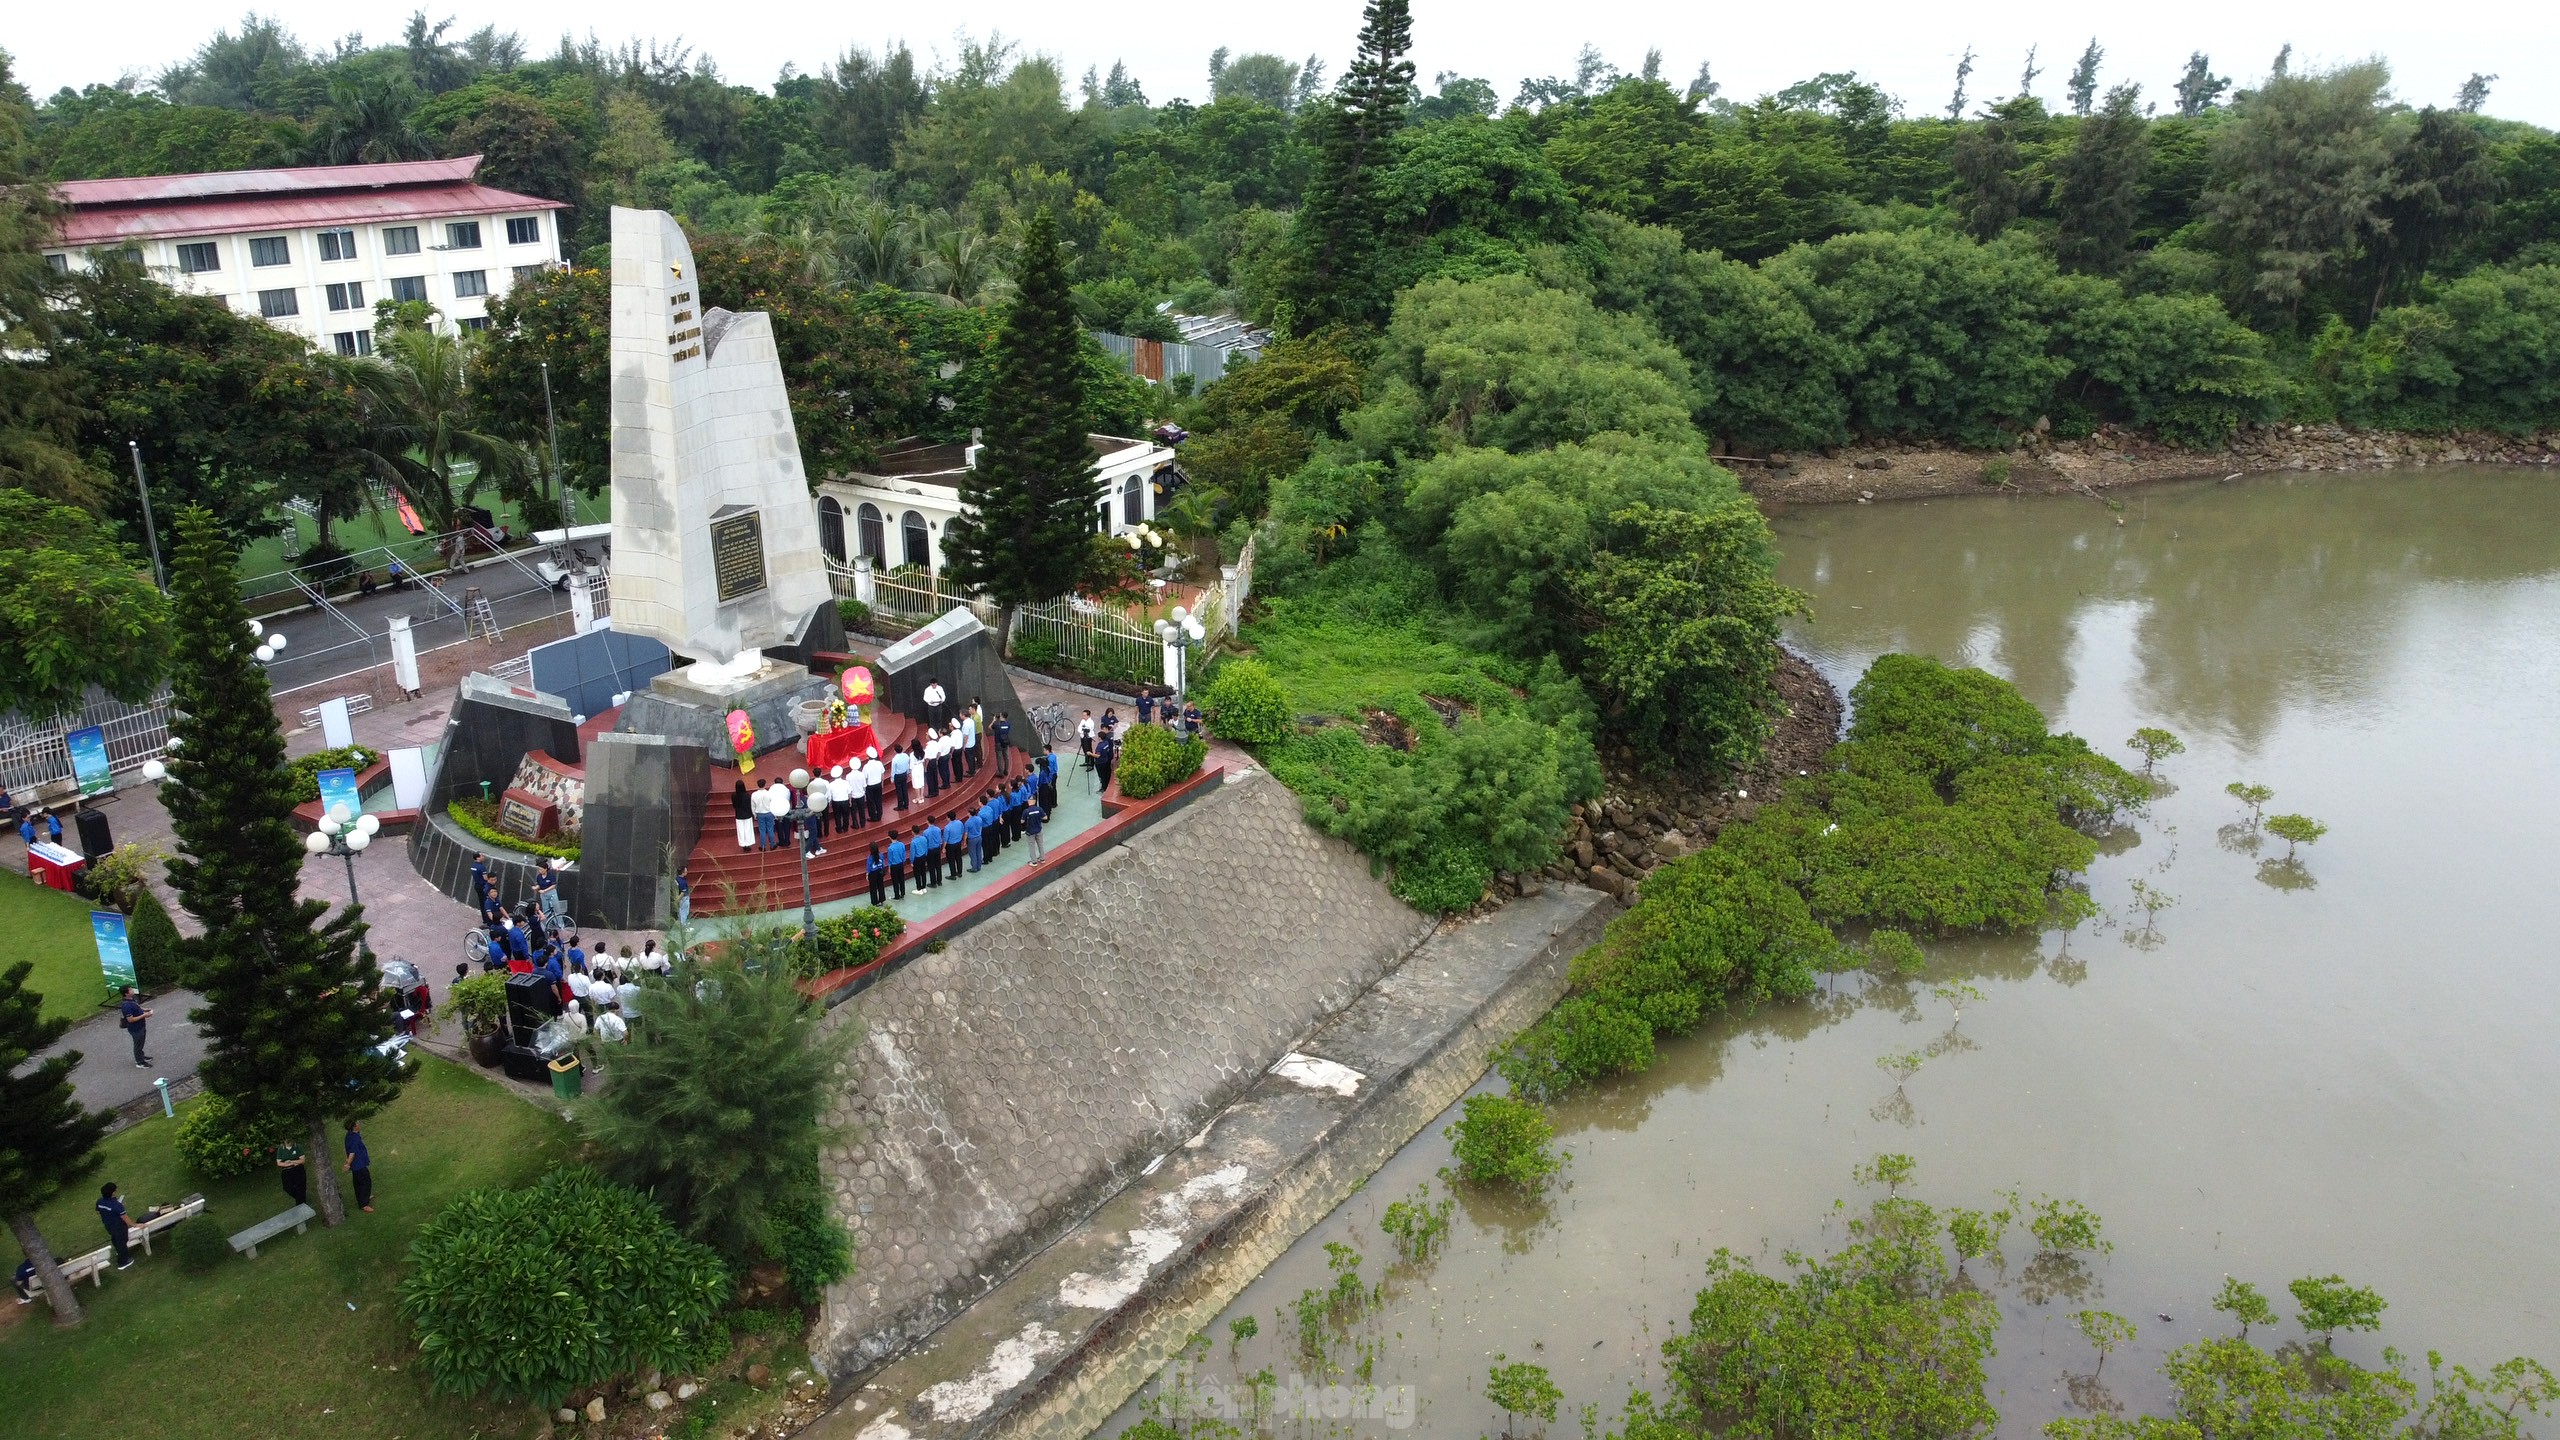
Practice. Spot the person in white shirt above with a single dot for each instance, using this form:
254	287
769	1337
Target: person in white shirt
840	794
932	763
874	775
760	805
969	741
934	698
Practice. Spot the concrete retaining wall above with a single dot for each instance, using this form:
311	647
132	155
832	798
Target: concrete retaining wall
1010	1084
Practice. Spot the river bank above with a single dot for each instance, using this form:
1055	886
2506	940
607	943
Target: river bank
2114	459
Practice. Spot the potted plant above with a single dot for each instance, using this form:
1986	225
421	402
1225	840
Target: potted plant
481	1001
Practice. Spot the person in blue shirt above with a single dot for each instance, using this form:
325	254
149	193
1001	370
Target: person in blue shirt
519	946
359	1163
1146	705
134	1018
898	866
53	827
975	827
1013	803
111	1215
480	877
25	1280
876	870
576	955
1032	820
1004	745
928	850
955	845
684	897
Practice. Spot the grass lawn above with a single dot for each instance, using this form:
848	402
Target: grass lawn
51	928
305	1340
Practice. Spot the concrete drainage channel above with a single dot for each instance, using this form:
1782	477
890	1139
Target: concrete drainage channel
1065	1340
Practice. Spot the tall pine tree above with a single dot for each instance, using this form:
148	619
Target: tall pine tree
2097	189
292	1010
1336	277
46	1140
1025	531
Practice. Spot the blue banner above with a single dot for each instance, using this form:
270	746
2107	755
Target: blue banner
338	787
89	760
115	951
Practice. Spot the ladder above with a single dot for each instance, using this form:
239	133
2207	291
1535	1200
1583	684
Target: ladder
480	620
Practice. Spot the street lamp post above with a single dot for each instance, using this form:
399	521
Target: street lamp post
1179	634
342	834
801	814
150	531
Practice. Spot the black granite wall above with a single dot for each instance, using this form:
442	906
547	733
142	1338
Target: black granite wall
491	729
645	799
820	629
968	668
441	851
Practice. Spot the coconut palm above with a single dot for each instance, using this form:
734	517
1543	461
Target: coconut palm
367	123
424	429
964	268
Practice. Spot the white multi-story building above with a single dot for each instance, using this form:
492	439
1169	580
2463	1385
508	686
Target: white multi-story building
312	250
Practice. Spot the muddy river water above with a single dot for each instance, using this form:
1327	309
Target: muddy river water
2351	1064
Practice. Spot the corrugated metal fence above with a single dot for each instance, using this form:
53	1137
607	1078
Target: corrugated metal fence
1158	359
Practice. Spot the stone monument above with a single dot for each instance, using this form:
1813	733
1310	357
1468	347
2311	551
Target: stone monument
715	544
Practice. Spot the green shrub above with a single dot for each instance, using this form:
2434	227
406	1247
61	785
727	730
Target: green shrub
216	1142
850	940
1450	876
1152	758
529	1294
199	1244
853	613
1581	1040
1246	705
812	1248
1502	1141
155	942
480	818
481	1001
119	876
306	770
1035	647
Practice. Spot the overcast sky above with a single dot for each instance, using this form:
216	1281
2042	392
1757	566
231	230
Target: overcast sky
1911	50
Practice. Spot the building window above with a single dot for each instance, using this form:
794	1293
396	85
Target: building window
277	304
525	273
462	235
354	342
871	533
831	528
337	244
468	283
348	296
919	542
1133	501
405	288
400	240
270	250
60	261
525	230
197	258
474	323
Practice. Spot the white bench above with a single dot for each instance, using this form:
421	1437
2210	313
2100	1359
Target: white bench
186	1209
92	1267
296	1219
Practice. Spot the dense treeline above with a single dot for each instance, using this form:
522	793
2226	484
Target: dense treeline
1832	265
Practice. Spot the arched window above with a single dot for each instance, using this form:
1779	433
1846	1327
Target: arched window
874	536
831	528
919	542
1133	501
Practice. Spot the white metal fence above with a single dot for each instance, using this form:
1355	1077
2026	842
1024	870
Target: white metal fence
33	755
1078	633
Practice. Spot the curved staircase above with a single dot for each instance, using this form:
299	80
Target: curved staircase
731	881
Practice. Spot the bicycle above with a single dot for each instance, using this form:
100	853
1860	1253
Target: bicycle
1051	722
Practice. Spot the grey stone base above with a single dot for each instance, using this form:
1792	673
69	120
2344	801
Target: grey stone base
690	714
1102	1309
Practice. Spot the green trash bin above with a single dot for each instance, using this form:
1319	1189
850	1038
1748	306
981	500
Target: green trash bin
568	1078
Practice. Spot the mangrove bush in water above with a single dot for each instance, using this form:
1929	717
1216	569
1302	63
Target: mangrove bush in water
1950	807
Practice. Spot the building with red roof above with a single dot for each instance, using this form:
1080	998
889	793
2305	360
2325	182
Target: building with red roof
313	249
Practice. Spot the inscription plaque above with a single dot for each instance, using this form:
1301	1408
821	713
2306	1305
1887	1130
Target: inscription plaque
737	554
517	818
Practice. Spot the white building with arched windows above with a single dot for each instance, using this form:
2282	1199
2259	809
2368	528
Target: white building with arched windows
896	511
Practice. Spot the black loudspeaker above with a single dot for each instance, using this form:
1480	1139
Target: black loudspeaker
95	843
531	999
520	1063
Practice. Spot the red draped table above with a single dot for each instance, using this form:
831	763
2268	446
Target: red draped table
844	745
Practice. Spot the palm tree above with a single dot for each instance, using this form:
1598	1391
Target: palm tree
423	424
367	123
963	267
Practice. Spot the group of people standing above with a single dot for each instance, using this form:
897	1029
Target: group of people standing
940	850
1100	739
